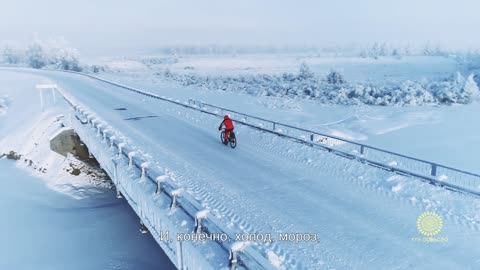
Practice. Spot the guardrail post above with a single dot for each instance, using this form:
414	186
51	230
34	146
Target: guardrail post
112	141
120	146
115	179
311	137
130	158
99	129
160	179
198	220
434	169
105	135
144	166
233	256
233	259
362	149
273	125
175	194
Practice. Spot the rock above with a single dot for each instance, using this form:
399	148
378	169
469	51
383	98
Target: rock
75	172
13	155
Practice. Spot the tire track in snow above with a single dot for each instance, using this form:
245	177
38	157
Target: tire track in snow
378	186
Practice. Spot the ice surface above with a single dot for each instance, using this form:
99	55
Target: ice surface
44	229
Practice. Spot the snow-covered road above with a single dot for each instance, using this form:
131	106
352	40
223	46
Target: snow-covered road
365	218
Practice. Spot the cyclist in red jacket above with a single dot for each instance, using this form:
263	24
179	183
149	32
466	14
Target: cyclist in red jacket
228	127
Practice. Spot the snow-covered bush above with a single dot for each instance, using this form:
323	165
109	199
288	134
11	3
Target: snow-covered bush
430	50
396	53
67	59
335	89
39	54
470	90
36	56
10	56
97	68
335	77
377	50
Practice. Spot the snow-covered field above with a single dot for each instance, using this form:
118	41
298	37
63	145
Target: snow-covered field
355	69
54	219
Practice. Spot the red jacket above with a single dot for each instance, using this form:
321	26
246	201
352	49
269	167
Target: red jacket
228	124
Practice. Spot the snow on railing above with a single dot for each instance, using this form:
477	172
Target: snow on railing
198	220
205	223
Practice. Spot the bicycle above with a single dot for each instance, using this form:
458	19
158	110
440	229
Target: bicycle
231	138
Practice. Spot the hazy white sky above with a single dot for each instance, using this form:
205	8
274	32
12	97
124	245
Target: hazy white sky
119	24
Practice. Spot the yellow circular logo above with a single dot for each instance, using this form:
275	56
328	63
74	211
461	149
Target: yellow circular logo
429	223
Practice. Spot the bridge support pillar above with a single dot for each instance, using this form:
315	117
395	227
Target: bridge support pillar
143	228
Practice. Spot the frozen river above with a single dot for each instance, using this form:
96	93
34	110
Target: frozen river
43	229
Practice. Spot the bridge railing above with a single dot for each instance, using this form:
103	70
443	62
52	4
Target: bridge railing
94	131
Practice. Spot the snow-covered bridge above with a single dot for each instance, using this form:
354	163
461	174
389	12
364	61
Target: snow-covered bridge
321	210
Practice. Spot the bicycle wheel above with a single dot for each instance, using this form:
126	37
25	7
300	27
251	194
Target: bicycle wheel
222	137
233	140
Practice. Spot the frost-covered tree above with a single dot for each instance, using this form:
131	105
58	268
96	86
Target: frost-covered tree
458	82
307	83
436	50
375	50
383	49
67	59
97	68
10	56
470	90
396	53
428	50
36	56
305	72
335	77
364	53
407	50
444	92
